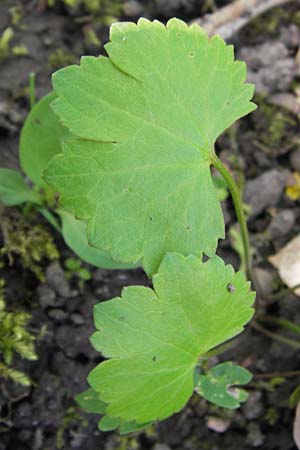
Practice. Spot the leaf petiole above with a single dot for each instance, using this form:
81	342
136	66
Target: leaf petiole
238	206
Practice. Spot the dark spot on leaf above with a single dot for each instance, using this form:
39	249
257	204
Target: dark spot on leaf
191	54
154	358
150	218
178	34
230	288
122	318
188	227
38	122
227	103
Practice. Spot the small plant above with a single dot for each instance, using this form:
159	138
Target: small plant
41	138
14	338
75	269
137	170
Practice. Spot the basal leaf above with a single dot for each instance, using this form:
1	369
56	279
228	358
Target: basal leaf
154	338
217	385
41	139
14	190
74	234
146	120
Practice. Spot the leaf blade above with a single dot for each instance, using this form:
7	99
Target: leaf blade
154	338
142	178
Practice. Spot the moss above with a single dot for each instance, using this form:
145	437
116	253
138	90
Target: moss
16	13
127	443
295	18
26	238
276	127
269	22
58	58
14	338
5	40
105	10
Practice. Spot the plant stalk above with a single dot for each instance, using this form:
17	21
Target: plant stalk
238	206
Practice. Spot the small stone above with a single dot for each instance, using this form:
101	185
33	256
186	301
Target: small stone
255	438
161	447
264	191
132	8
46	296
295	159
281	224
58	315
253	408
56	279
265	280
77	319
218	424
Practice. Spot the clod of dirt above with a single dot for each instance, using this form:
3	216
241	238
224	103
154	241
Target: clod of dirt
255	438
253	408
282	224
270	67
48	298
58	315
264	191
56	280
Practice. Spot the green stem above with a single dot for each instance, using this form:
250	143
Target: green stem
238	206
281	294
275	336
284	323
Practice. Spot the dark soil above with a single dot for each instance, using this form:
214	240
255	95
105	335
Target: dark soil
262	149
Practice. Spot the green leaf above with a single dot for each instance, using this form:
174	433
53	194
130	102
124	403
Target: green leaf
74	234
14	190
90	402
112	423
147	119
217	385
41	139
154	338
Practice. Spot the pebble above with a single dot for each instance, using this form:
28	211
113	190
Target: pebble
77	319
161	447
264	191
55	277
282	223
265	280
58	315
295	159
47	297
132	8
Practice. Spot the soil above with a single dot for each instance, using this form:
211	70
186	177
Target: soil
262	149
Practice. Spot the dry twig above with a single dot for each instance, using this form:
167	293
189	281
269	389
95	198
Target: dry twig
231	18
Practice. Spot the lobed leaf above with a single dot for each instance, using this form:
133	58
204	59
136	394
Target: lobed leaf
146	120
217	385
154	338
